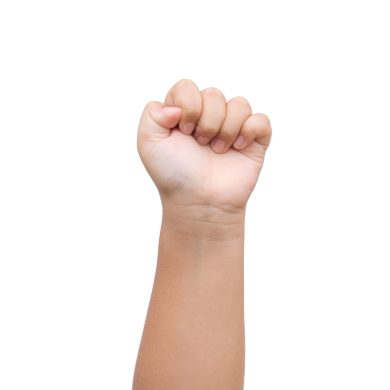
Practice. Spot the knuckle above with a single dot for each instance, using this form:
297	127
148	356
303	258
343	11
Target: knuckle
151	105
241	101
261	121
266	122
212	92
184	83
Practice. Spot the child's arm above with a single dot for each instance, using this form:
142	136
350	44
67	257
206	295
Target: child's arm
194	331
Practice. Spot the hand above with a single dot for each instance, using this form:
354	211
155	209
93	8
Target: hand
201	150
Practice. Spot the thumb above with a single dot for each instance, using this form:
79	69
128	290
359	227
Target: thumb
157	120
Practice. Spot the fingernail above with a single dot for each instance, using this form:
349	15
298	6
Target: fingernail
239	142
188	128
203	140
218	145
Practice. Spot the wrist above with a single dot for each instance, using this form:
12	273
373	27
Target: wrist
204	222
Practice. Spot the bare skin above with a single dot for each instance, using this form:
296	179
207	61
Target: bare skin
205	156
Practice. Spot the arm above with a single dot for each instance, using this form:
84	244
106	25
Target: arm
194	331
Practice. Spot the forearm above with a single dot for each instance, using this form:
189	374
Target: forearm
194	331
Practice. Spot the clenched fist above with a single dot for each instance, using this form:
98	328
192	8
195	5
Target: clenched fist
201	150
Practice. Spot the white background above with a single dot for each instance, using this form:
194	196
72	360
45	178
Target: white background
80	218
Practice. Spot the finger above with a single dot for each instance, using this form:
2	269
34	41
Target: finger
212	117
157	120
186	95
238	110
256	128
